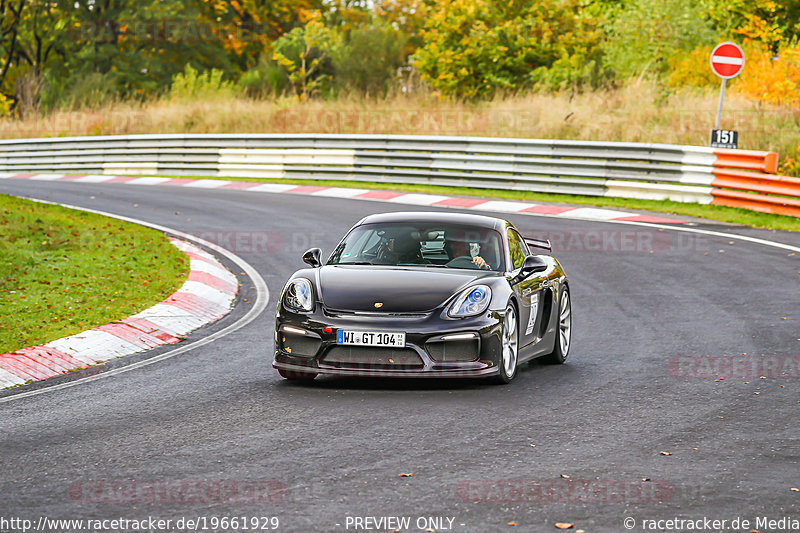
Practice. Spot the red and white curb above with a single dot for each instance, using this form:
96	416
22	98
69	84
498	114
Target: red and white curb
207	295
569	212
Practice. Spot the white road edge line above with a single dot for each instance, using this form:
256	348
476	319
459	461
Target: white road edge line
721	234
262	299
502	207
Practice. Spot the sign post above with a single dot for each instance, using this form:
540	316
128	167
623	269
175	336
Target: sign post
721	99
727	61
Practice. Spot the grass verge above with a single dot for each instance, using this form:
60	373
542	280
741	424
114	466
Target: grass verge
712	212
63	271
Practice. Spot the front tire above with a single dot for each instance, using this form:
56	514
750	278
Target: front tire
510	346
564	332
292	375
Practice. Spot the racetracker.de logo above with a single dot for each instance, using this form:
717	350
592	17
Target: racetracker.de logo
734	366
178	491
262	242
619	240
564	491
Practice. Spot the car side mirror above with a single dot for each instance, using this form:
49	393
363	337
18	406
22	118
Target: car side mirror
311	257
531	265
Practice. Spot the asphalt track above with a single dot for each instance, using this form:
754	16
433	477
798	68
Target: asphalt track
159	441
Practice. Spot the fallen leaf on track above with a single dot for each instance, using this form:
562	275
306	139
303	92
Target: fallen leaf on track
563	525
403	474
665	453
565	476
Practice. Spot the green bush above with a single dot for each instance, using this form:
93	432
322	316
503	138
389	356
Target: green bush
644	34
194	84
367	58
264	80
81	90
304	53
474	48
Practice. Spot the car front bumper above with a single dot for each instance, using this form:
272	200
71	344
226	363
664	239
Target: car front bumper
306	342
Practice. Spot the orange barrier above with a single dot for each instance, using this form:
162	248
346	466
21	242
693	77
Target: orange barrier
751	181
747	159
757	192
757	202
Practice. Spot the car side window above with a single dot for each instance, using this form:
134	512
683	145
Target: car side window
517	247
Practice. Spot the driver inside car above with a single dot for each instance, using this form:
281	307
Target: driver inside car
458	248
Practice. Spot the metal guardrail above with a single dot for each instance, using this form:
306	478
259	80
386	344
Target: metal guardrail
633	170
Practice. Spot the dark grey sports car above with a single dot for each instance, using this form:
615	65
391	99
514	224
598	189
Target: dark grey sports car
424	295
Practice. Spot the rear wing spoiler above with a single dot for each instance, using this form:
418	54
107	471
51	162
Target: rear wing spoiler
539	243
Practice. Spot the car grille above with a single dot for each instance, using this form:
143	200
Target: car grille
372	357
301	345
455	351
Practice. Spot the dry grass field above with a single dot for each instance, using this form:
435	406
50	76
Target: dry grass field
640	111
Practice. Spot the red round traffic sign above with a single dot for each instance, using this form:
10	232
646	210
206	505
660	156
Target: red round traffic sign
727	60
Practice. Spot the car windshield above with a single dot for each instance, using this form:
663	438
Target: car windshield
421	244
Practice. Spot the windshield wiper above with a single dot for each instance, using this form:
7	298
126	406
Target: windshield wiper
356	263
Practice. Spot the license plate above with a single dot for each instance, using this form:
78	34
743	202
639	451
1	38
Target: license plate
371	338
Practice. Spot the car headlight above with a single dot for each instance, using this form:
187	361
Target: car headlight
472	301
298	295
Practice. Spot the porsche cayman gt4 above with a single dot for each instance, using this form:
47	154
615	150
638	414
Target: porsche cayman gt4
424	295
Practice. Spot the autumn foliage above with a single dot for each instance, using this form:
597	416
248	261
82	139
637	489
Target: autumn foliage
772	78
57	54
474	48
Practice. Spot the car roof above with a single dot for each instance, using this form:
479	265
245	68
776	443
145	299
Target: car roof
435	216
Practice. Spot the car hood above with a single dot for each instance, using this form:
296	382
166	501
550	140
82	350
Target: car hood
399	289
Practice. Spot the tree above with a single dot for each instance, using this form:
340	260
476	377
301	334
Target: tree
645	34
139	45
367	58
247	28
10	18
304	53
474	48
43	30
406	16
767	21
345	14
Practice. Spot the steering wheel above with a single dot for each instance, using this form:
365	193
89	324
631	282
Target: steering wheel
384	254
463	261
